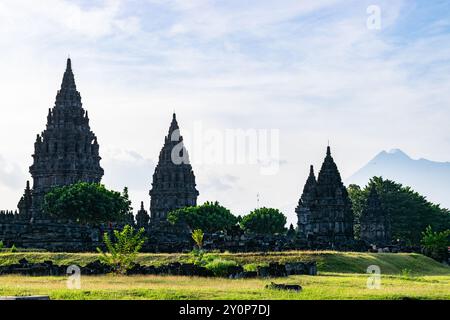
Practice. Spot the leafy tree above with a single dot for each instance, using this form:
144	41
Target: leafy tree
87	203
209	217
359	198
435	244
264	221
122	253
409	212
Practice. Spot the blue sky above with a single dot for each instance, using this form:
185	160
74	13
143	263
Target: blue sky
311	69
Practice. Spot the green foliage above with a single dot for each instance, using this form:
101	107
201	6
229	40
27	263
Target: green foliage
407	274
201	257
221	267
13	249
253	267
197	236
435	244
264	221
410	213
88	203
209	217
122	254
1	245
359	198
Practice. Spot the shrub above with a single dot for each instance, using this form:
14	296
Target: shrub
209	217
123	252
197	236
87	203
1	245
253	267
13	249
435	244
407	274
264	221
221	267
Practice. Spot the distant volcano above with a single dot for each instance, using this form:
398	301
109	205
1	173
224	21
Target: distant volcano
429	178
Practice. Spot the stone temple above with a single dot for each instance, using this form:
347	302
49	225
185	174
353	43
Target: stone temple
173	184
374	221
325	214
66	152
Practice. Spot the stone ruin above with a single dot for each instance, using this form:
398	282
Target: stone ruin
274	269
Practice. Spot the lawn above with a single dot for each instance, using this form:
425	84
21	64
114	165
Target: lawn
341	276
325	286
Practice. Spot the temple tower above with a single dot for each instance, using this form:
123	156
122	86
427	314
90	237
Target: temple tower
67	151
26	203
173	184
375	223
142	217
325	214
332	220
306	203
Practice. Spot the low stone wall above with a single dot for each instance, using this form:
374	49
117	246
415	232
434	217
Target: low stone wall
47	268
51	235
66	236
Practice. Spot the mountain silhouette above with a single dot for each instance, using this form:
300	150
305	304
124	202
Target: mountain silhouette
429	178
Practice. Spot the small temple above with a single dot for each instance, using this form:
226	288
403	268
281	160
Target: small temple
374	221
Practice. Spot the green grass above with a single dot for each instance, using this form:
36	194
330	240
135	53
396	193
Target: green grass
327	261
326	286
342	275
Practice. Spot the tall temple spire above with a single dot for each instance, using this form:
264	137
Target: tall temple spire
68	96
325	213
311	183
142	217
173	127
68	78
307	200
329	174
26	202
173	184
67	151
311	171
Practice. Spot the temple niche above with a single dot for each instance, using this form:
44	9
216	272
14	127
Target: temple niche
325	214
374	221
173	184
66	152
